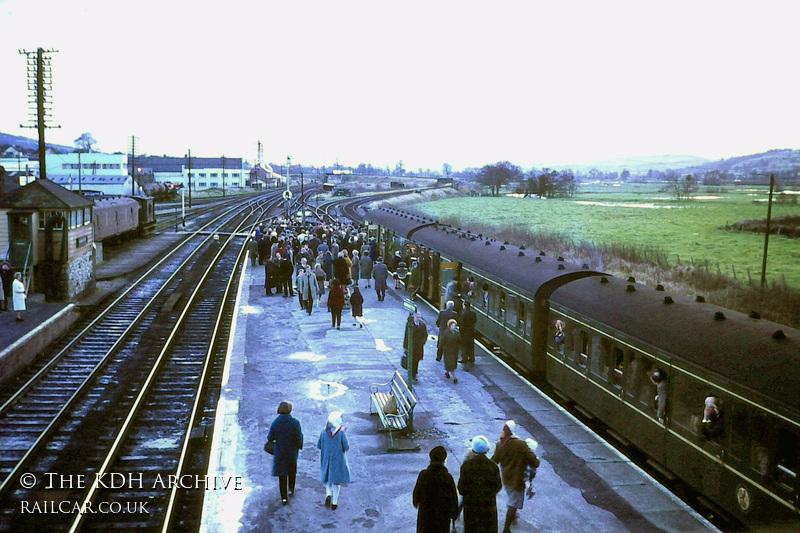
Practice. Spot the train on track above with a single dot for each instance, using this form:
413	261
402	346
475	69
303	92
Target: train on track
711	396
119	218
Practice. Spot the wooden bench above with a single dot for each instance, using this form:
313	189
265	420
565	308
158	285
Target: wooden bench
380	394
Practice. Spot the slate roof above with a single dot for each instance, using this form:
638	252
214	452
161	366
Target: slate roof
173	164
44	194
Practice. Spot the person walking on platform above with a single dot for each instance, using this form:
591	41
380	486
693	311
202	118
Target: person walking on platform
380	273
319	275
307	289
19	296
466	324
435	495
335	471
355	268
286	270
365	267
272	276
288	436
444	316
341	270
416	327
479	484
357	305
336	303
252	249
515	457
451	346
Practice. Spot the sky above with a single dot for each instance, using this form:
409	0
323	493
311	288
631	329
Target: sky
536	83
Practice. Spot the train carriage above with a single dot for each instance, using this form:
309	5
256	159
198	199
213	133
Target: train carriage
615	336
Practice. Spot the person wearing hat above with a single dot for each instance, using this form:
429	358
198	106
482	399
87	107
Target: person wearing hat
435	495
515	457
288	436
479	484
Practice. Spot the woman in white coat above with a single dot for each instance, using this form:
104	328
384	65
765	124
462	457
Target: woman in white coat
19	295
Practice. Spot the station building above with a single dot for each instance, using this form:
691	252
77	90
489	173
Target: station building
46	232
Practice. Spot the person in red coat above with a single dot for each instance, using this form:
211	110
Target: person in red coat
336	303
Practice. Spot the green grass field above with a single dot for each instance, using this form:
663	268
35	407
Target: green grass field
640	215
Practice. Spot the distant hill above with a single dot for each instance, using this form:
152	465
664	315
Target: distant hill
31	145
638	165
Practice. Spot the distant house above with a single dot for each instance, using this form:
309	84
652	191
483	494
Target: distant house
206	172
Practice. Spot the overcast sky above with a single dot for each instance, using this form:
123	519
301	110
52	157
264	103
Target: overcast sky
431	82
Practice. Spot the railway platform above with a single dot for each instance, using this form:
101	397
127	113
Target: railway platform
278	352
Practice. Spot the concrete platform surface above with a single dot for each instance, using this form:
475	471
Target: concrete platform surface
278	353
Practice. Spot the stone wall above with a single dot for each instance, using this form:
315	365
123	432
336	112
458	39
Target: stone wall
80	275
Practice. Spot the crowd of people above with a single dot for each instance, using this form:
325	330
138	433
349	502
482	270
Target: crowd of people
331	263
435	495
321	263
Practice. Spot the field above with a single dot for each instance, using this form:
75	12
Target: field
639	215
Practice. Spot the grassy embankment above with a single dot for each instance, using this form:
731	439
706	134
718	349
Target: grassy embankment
634	230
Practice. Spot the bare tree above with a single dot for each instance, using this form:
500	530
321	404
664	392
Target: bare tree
497	175
681	187
85	142
447	169
399	168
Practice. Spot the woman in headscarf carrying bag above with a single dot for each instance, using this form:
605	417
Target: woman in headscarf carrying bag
335	471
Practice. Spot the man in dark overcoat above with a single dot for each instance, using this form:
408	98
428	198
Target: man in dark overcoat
466	323
479	484
380	273
435	495
419	330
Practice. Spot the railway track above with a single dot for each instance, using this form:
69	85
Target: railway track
98	428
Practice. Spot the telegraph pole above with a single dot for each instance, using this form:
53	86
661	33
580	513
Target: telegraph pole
79	171
766	233
40	82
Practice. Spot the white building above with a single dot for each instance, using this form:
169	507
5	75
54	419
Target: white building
96	172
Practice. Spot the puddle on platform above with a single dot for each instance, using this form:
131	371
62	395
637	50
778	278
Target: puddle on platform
325	390
307	356
381	346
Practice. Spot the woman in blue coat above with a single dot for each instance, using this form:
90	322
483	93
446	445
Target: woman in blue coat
285	431
333	458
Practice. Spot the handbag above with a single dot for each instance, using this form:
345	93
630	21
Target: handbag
404	362
269	447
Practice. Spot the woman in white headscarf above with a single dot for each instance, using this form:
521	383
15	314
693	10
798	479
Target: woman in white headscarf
333	458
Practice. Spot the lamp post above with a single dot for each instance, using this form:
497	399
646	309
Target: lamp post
223	176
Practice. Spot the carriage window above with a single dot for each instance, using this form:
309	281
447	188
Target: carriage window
511	311
639	389
748	439
528	324
521	317
584	353
601	349
617	371
786	461
501	311
687	402
483	295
